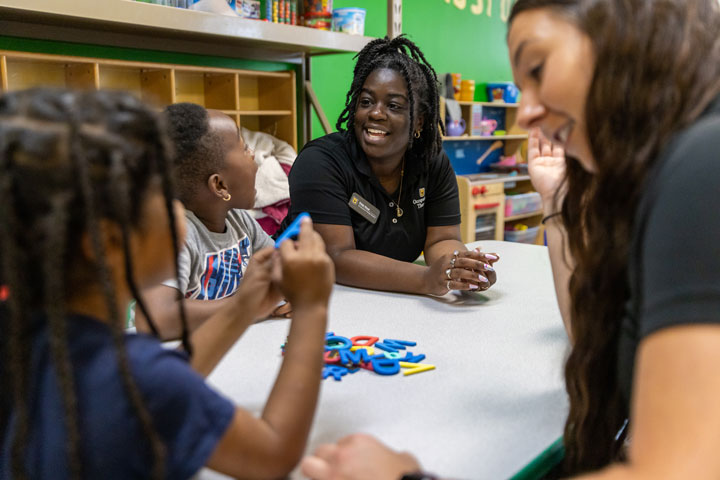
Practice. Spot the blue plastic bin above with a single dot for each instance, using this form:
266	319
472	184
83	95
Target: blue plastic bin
505	92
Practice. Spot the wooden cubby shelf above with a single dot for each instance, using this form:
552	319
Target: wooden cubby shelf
523	216
486	137
257	100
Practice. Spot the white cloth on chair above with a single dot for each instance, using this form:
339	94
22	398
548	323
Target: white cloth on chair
271	154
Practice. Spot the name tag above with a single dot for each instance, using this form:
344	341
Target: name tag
364	208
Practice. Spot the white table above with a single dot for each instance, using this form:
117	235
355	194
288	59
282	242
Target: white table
495	400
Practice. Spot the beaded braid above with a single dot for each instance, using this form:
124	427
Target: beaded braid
404	56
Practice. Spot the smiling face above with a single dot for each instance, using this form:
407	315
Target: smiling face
382	116
240	168
553	64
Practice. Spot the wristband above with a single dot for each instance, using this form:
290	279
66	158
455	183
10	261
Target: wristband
418	476
549	217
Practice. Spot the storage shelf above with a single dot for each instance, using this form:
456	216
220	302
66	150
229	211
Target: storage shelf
258	100
492	104
273	113
487	137
523	215
133	24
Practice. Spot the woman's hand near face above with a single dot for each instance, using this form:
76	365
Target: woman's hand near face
358	457
546	166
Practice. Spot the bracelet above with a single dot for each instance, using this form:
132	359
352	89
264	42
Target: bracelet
418	476
548	217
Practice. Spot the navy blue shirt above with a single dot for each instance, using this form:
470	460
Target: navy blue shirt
189	417
329	170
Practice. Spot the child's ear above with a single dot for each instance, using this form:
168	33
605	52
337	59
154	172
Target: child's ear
217	186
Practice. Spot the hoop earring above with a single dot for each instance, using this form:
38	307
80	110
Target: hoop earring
227	199
417	133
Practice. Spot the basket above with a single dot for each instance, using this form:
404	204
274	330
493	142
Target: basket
522	203
522	236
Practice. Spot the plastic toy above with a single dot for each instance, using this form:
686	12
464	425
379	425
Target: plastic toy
292	231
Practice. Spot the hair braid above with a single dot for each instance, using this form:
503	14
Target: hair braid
167	186
18	343
54	306
64	156
118	180
411	101
402	55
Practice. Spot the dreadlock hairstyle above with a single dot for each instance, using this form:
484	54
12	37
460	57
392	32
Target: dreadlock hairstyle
657	69
402	55
69	159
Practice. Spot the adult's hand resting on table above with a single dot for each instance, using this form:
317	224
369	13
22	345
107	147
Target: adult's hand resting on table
546	166
462	270
358	457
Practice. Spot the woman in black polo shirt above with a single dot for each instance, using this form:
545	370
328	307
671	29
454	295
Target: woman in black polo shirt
381	191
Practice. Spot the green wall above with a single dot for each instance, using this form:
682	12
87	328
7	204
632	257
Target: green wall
452	37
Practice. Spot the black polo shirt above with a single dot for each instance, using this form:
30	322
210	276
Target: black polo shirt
674	260
329	170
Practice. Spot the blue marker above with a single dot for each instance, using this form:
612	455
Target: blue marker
292	231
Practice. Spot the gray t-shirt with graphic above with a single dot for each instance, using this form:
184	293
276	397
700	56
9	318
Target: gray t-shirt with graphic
211	265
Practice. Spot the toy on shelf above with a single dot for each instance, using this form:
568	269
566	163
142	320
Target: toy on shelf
502	92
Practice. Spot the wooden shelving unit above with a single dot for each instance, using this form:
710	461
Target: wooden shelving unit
133	24
259	100
486	137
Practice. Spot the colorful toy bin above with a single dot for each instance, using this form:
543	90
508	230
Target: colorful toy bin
349	20
502	92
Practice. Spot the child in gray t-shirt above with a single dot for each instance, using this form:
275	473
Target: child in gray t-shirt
215	175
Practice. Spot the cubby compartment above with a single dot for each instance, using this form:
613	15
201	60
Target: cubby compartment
259	100
152	85
214	89
36	71
481	146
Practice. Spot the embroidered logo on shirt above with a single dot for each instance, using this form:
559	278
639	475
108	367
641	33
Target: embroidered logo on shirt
222	272
420	202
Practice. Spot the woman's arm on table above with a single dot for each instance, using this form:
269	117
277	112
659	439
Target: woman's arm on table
441	244
364	269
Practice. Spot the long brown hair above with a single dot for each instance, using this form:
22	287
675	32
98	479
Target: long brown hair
657	68
67	161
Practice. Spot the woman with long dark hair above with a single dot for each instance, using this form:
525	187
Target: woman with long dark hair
626	94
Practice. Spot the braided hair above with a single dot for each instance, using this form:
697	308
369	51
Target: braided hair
68	160
402	55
